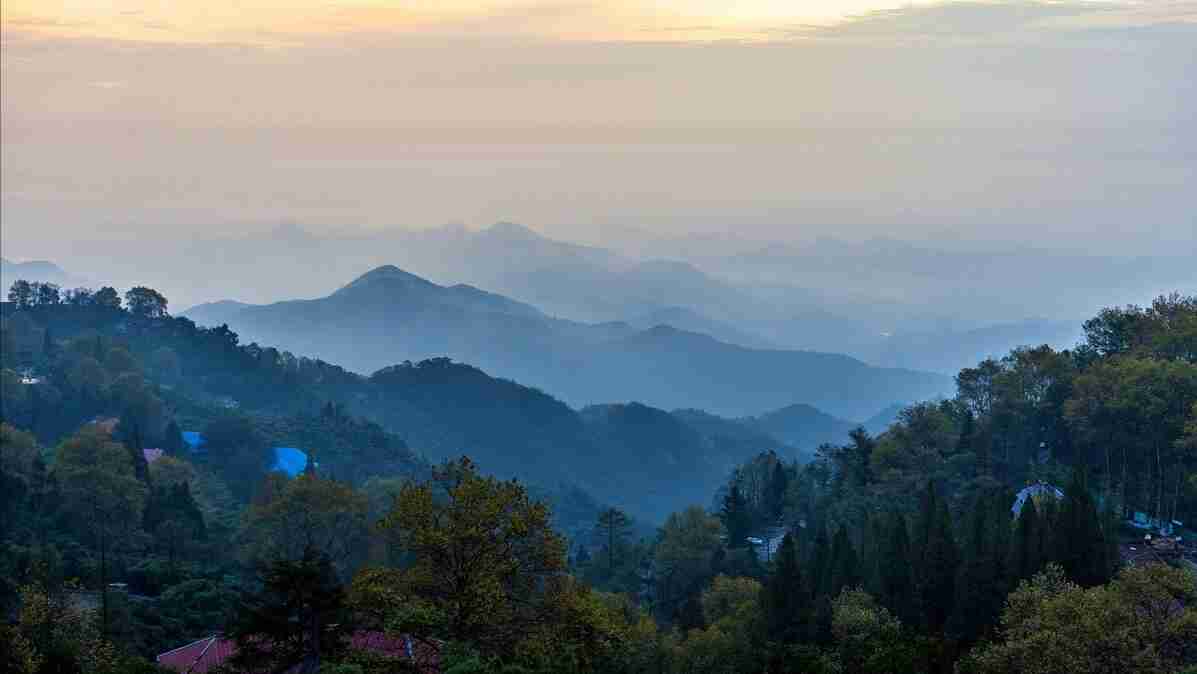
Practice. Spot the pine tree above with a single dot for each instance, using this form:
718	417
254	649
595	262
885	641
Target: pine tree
1079	543
896	575
820	563
786	602
845	569
1025	557
737	520
172	439
981	590
613	525
296	620
779	481
938	561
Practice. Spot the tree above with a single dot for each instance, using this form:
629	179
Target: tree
46	294
868	638
102	492
145	302
737	520
107	297
1079	542
779	483
172	439
982	583
937	561
313	514
297	618
613	526
683	556
786	601
1145	621
844	566
485	559
896	575
21	294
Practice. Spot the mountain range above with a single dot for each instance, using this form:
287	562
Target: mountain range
388	315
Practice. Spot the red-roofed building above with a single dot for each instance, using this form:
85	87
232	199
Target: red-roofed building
198	657
206	654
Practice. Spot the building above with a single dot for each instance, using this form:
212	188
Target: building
214	651
1036	492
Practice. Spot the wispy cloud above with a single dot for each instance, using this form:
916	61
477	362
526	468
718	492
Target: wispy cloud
275	22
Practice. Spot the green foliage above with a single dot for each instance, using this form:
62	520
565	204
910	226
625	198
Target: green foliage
296	618
1145	621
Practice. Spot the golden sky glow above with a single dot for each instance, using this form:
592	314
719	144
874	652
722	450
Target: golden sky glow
270	21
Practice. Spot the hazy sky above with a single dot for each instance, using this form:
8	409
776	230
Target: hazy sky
1065	124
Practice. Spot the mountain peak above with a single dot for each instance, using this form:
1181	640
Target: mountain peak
389	274
512	230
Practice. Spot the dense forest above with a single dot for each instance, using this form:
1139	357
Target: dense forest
1033	522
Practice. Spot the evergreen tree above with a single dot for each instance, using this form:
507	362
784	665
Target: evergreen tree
737	519
172	439
1079	542
1025	557
296	619
820	562
896	575
779	481
130	432
786	602
844	567
612	526
981	590
938	560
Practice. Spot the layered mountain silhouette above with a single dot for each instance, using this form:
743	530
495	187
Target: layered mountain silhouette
42	271
388	315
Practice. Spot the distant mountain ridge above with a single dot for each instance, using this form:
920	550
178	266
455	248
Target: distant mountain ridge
389	315
42	271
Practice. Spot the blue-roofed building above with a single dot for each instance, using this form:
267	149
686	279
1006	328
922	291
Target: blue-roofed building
289	460
194	440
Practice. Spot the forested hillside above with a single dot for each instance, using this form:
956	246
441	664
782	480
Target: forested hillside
388	315
146	504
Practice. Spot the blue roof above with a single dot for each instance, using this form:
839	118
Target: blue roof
194	439
289	460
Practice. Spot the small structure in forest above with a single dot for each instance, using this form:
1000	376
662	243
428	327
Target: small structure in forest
1037	491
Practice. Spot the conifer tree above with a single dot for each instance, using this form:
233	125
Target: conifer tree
820	562
981	591
737	520
776	496
295	621
844	566
613	526
785	599
896	575
1025	558
936	571
172	439
1079	542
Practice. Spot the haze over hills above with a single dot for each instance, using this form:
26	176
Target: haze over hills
787	296
389	315
35	270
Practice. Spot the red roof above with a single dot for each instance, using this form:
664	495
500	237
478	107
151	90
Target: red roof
200	656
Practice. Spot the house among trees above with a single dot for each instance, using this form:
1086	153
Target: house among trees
213	653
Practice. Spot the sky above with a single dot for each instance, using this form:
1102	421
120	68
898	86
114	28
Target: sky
1063	124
